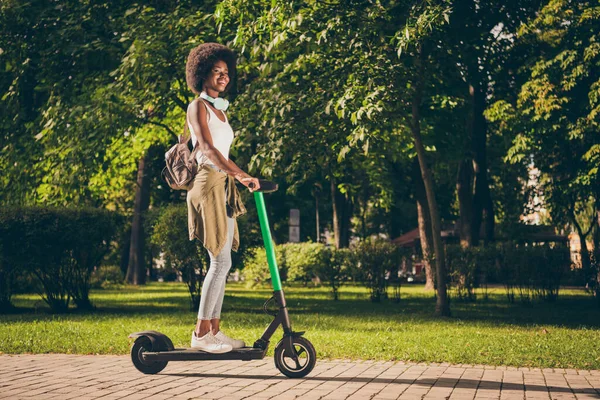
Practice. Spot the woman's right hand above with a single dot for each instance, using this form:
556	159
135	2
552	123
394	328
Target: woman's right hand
251	183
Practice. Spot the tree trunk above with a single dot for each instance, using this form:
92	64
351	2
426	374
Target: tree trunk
124	251
364	203
474	196
442	307
464	190
136	269
318	238
342	211
584	253
424	220
596	238
483	208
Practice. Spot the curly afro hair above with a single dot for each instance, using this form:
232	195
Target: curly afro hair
200	61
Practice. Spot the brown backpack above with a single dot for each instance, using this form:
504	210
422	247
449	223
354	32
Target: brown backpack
181	163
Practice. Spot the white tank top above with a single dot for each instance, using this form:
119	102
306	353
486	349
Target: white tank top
221	133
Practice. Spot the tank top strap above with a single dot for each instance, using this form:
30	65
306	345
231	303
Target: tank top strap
213	114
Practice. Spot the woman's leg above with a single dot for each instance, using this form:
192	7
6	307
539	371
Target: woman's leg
213	288
216	314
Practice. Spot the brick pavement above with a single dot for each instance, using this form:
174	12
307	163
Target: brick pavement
64	377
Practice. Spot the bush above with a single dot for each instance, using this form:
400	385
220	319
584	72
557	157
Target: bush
338	267
256	269
186	257
59	246
6	276
378	260
553	263
303	260
527	271
594	286
470	268
106	275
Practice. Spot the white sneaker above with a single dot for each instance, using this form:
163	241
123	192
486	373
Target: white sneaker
210	344
234	343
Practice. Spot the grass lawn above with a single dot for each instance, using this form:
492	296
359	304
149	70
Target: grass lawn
563	334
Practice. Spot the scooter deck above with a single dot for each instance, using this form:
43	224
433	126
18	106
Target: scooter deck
244	354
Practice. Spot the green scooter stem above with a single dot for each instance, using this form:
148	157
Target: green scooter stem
266	234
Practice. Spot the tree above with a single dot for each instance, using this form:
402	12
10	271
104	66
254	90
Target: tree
335	79
478	38
555	115
91	114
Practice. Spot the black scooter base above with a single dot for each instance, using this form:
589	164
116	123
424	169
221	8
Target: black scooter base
244	354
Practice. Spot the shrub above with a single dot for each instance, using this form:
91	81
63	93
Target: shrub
338	267
470	268
186	257
59	246
303	260
6	276
594	286
527	271
553	263
461	266
106	275
256	269
377	261
250	237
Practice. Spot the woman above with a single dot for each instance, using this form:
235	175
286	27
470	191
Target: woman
212	198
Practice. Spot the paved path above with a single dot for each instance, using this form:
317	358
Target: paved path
59	376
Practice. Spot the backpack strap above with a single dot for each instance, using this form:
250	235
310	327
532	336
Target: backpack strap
183	139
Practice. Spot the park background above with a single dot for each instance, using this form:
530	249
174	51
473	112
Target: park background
453	142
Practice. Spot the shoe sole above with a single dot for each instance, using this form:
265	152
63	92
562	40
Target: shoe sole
212	351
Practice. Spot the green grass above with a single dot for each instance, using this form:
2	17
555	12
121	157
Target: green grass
563	334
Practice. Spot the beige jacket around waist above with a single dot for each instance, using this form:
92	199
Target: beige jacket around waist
208	209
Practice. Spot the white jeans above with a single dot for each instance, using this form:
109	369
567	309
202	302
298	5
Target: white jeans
213	288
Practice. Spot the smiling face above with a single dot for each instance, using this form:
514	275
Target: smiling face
217	78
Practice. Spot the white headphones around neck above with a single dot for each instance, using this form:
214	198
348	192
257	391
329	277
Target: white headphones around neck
218	103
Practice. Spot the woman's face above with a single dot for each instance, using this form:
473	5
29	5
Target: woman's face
218	77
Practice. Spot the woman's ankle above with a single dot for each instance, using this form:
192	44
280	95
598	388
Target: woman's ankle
202	328
201	333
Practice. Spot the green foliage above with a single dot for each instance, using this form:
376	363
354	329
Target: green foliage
180	254
554	118
339	266
87	92
256	268
303	260
324	96
470	268
378	261
106	276
6	276
60	247
326	82
527	271
532	271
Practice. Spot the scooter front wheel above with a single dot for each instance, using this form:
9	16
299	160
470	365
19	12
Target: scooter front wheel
142	344
300	362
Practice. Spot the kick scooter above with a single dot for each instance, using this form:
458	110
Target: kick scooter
295	356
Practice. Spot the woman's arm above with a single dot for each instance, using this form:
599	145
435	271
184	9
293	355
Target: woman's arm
196	115
243	177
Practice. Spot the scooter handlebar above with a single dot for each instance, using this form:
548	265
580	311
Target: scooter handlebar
265	186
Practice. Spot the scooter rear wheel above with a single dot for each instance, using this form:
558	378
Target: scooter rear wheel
299	364
141	345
